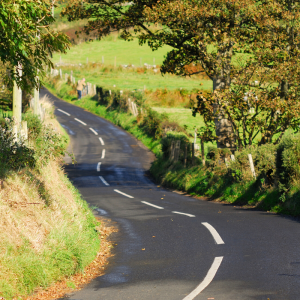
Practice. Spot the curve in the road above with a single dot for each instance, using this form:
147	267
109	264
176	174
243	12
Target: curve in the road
169	243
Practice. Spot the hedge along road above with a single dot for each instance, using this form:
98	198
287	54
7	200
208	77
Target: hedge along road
171	246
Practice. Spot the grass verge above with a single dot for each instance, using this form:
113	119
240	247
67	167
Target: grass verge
47	231
126	121
233	184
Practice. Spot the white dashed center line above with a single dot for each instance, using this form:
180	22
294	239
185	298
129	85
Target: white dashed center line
117	191
181	213
103	153
214	233
101	141
92	130
103	180
64	112
147	203
80	121
207	280
98	166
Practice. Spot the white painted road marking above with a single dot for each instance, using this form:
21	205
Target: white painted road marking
101	141
98	166
180	213
207	280
101	211
214	233
159	207
64	112
80	121
123	194
92	130
69	130
103	180
103	153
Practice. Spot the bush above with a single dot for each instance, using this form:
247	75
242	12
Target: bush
287	163
151	123
34	124
49	145
174	136
13	155
264	159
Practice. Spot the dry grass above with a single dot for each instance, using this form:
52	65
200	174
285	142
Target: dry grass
47	232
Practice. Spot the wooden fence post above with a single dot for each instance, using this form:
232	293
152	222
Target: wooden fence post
251	165
36	100
136	110
15	133
202	152
172	152
226	162
193	154
24	131
185	155
177	151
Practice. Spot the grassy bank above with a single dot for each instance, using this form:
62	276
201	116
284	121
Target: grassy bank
116	116
47	231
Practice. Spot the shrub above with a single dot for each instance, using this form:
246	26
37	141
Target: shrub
13	154
49	145
174	136
287	163
34	124
151	123
264	159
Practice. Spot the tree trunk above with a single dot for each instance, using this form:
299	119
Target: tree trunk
221	80
284	88
224	130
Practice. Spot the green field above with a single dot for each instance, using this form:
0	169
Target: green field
184	117
126	53
130	80
110	48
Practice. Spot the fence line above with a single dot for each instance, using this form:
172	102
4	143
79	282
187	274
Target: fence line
134	109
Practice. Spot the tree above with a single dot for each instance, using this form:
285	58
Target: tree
263	99
236	42
205	32
27	40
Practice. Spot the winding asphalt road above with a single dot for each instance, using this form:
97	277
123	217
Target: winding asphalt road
172	246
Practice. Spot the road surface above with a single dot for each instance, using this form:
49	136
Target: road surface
172	246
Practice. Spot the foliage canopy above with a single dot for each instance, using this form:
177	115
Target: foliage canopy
249	48
26	39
